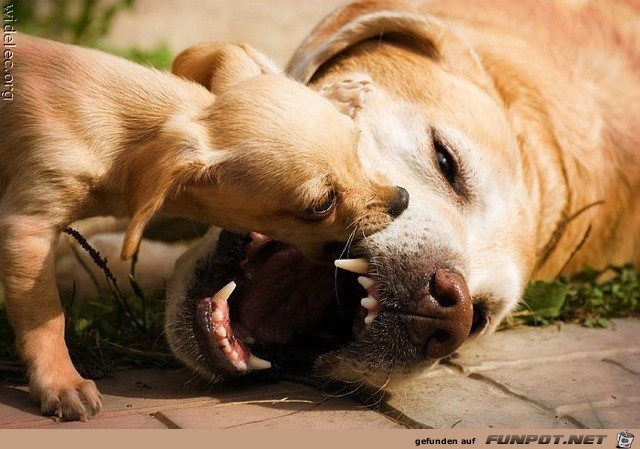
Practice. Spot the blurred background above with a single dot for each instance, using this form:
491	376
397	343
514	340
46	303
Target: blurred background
153	31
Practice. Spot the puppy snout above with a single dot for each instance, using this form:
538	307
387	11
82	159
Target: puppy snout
399	203
444	314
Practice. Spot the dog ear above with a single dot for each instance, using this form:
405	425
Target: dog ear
350	94
156	173
401	24
217	66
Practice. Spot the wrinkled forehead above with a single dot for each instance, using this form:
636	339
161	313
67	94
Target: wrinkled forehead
422	92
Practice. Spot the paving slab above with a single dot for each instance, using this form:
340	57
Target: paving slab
174	399
550	344
558	376
628	362
132	421
574	382
623	413
451	399
307	411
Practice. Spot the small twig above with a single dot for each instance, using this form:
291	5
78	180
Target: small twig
84	266
12	369
559	231
133	282
578	247
137	351
112	282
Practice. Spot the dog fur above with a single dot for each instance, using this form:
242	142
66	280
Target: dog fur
538	104
91	134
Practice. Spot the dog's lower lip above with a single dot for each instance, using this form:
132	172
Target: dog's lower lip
218	340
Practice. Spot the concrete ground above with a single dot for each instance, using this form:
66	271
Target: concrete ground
563	376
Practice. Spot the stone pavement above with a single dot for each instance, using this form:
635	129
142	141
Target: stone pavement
556	377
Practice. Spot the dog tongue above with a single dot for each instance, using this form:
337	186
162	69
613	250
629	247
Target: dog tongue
283	296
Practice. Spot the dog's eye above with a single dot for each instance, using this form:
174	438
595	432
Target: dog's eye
323	207
327	204
445	161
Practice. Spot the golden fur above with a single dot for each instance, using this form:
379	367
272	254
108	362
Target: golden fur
90	134
575	115
543	99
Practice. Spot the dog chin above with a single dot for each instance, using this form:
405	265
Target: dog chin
292	316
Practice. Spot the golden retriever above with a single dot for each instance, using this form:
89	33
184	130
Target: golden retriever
514	125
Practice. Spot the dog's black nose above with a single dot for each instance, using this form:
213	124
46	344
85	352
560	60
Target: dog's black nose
400	203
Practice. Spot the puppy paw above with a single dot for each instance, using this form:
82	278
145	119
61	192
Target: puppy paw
78	400
349	95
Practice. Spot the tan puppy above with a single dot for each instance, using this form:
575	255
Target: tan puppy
90	134
515	127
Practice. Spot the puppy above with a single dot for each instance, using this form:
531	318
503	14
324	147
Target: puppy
90	134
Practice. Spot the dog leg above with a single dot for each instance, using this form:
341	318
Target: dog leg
35	312
349	95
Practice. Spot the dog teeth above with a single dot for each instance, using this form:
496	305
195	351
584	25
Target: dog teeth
369	318
217	316
360	266
221	332
226	346
369	303
256	363
223	294
366	282
240	365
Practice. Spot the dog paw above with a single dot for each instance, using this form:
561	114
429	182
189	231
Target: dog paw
78	400
349	95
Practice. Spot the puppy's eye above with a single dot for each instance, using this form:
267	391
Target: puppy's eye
323	207
446	162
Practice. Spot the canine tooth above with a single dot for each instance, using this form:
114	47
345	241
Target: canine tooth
240	365
369	318
366	282
221	332
369	303
217	316
256	363
360	266
224	293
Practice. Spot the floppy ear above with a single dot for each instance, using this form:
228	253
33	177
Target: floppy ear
394	21
350	94
217	66
156	173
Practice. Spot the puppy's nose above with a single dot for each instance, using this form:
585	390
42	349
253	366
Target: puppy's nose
399	203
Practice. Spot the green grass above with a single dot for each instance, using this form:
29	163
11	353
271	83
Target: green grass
159	57
112	332
590	298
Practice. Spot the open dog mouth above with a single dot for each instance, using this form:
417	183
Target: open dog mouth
258	299
258	304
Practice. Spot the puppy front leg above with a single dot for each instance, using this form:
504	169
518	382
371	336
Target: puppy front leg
35	312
